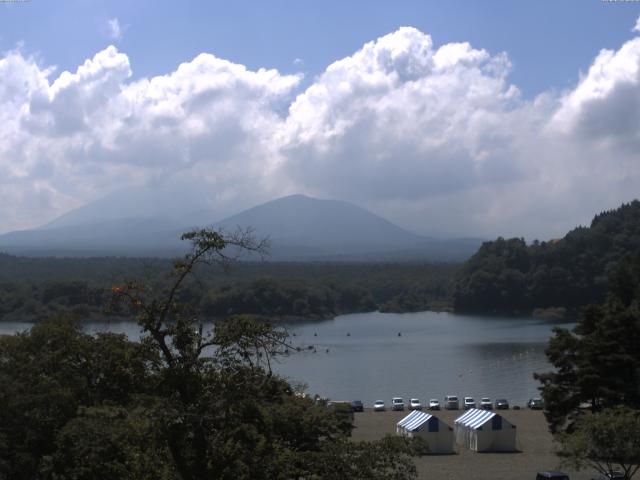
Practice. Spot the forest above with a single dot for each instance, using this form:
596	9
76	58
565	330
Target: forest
511	276
32	289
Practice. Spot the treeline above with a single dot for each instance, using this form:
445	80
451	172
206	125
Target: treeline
32	289
509	276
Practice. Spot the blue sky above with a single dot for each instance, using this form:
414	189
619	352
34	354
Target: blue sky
548	41
448	118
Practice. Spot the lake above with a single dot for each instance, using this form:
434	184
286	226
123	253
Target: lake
370	356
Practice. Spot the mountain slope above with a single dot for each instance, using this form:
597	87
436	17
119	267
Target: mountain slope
126	237
304	221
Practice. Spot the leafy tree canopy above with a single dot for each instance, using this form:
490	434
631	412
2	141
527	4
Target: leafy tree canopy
598	362
608	441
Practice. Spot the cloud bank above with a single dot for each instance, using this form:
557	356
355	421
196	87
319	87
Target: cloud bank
433	137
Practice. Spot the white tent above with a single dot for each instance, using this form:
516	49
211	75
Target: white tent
437	434
485	431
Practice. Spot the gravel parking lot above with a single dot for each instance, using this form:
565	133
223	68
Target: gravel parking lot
535	444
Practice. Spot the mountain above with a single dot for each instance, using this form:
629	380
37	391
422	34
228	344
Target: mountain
176	204
121	237
566	274
327	225
299	228
305	228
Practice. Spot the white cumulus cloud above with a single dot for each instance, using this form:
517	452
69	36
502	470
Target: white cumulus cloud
402	119
72	138
434	137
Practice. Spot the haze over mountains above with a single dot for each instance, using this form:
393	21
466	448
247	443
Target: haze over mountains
299	228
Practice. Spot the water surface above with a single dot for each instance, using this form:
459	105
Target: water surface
362	356
372	356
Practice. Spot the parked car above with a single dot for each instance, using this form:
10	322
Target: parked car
357	405
434	404
414	404
535	403
469	403
486	404
397	403
451	402
516	407
552	476
378	406
502	404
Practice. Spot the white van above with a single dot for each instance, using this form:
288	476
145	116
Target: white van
451	402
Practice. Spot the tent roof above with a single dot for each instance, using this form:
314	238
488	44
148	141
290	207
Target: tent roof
414	420
466	415
475	418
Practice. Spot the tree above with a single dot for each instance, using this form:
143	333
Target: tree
47	374
224	414
109	443
598	362
607	441
389	458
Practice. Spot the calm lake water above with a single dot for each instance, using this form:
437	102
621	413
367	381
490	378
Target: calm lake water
361	356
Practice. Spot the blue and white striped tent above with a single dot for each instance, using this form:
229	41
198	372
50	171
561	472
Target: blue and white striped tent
413	421
484	430
437	434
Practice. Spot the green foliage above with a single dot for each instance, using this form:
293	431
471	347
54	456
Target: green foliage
607	441
389	458
183	403
287	299
510	276
108	443
598	362
36	288
48	373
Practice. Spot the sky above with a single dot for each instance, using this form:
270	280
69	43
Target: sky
455	118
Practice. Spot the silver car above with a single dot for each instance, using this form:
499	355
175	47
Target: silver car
451	402
397	403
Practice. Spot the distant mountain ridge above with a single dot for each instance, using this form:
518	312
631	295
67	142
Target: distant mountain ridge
299	227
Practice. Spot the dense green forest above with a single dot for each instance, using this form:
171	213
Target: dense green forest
509	276
35	288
